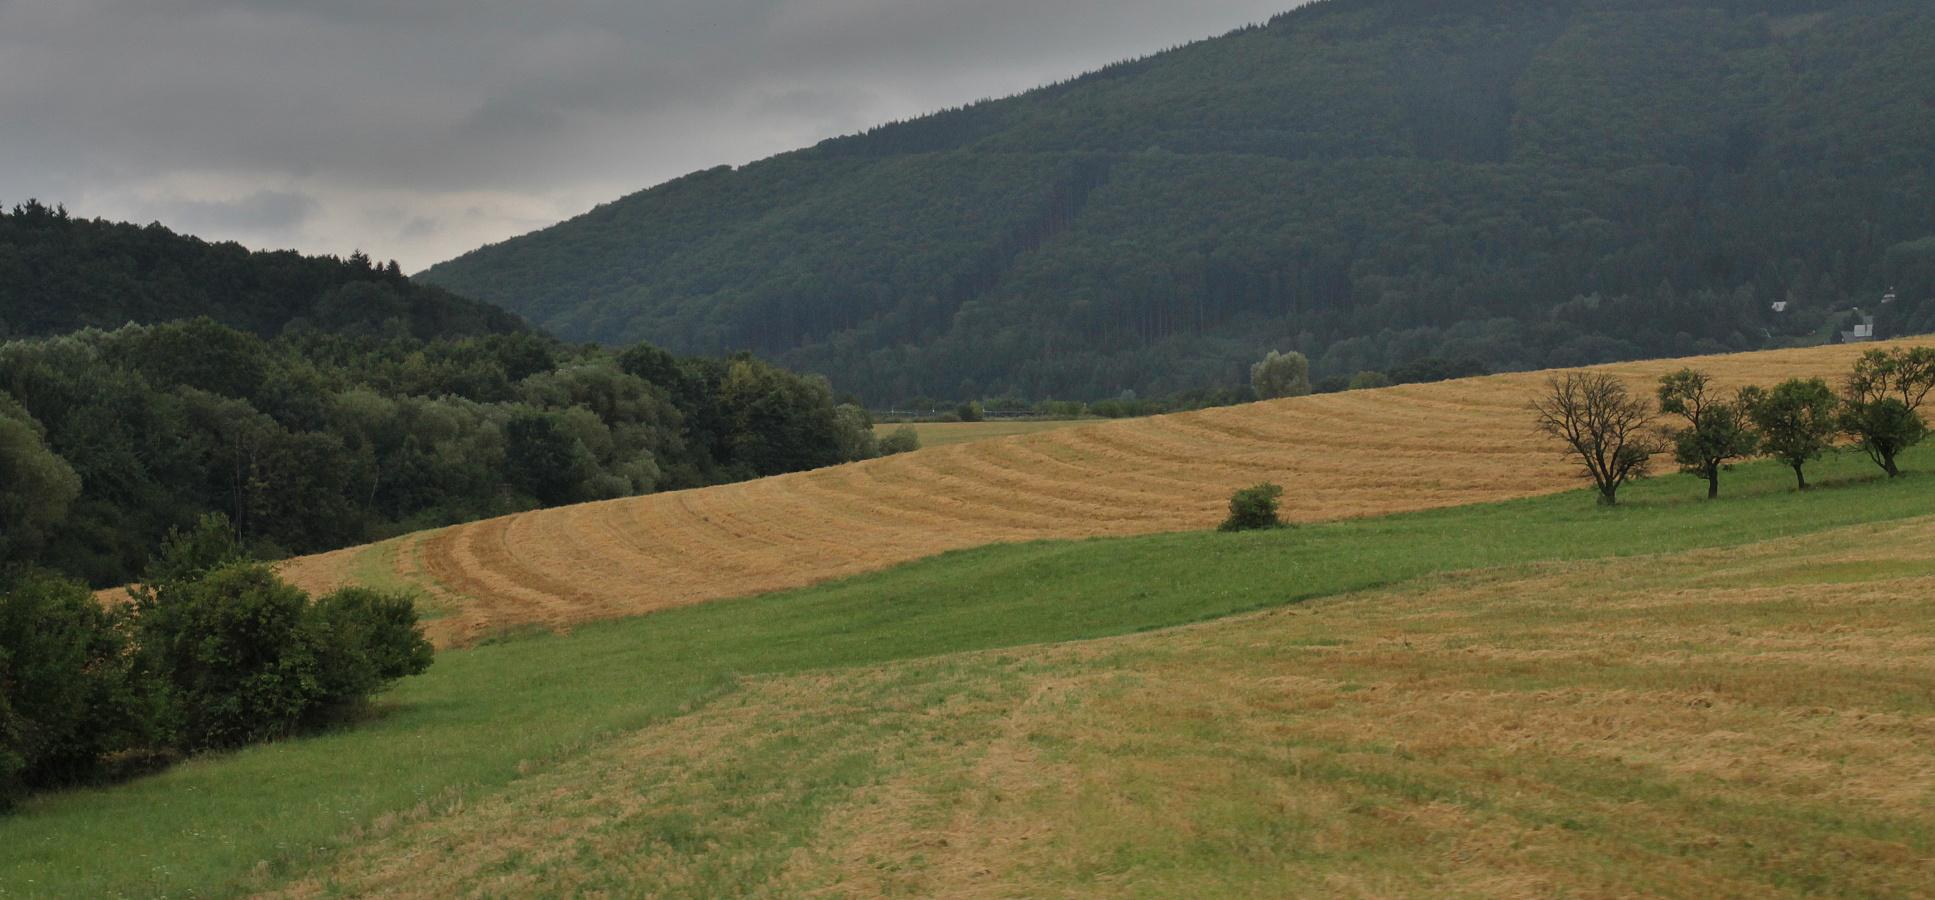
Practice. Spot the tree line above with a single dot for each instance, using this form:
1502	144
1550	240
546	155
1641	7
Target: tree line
1616	435
60	273
313	441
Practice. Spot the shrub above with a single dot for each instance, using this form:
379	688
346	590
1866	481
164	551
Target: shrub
970	411
364	640
1254	508
902	440
239	664
69	695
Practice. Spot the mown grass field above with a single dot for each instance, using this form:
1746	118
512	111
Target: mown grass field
1360	453
942	434
1536	696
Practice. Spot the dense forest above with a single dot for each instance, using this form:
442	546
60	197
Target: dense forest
59	273
311	441
1365	181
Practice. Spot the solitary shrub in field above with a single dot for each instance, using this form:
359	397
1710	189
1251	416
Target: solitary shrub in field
1602	424
1716	430
1882	402
1254	508
901	440
1796	421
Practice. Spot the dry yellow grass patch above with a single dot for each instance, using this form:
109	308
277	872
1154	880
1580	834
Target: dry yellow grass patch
1355	454
1743	723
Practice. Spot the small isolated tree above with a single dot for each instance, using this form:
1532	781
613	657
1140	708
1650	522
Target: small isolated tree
1601	423
1883	398
1254	508
1796	421
1281	375
1716	430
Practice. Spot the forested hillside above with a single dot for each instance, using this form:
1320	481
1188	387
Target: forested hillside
59	273
313	441
1367	181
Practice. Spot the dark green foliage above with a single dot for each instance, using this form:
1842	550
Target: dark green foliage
364	639
1716	432
1254	509
1796	420
1364	181
70	693
239	664
1883	427
106	275
901	440
1882	402
214	652
36	486
108	440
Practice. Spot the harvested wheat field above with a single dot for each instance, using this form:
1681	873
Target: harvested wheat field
1359	453
1742	722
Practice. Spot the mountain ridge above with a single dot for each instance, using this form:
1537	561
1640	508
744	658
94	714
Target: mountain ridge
1368	181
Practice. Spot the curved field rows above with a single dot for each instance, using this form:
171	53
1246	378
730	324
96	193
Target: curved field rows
1339	455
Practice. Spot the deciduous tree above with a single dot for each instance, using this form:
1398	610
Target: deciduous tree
1716	429
1796	421
1601	423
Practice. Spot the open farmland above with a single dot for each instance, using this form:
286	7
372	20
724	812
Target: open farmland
487	727
1360	453
1340	455
1744	722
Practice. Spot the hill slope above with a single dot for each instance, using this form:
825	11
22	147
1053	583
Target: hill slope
59	274
1369	181
1750	721
1341	455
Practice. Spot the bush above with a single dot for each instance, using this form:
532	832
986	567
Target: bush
69	695
239	664
902	440
364	639
1254	508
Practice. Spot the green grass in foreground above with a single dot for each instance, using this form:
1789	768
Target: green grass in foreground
485	717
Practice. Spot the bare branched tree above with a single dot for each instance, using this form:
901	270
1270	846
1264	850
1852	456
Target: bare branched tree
1603	424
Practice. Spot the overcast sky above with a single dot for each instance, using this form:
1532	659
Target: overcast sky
420	129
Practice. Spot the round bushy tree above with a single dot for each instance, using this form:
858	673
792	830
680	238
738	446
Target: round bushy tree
1255	508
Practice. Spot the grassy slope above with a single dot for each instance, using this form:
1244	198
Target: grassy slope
1742	722
487	717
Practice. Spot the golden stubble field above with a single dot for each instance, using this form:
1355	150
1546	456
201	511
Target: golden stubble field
1359	453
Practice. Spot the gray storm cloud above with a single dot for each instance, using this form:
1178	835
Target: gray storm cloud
419	130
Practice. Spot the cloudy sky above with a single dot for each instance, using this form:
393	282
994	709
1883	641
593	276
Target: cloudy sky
419	129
